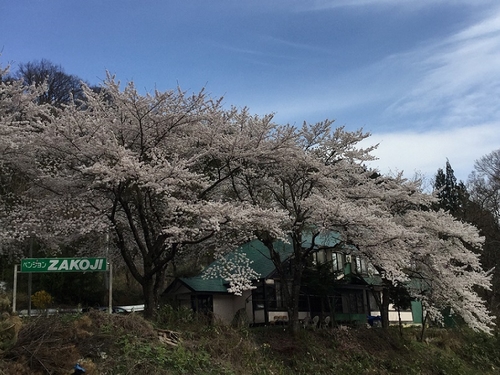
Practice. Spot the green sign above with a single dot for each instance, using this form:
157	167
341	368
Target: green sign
63	264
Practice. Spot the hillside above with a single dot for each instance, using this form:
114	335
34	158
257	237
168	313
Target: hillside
180	343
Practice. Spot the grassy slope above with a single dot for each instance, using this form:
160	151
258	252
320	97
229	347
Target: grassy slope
113	344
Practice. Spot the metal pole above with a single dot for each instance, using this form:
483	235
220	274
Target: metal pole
30	277
14	292
110	295
106	252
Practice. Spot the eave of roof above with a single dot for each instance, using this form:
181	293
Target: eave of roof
201	285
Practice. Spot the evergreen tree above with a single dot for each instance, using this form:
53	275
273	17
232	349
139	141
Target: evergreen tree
473	207
452	195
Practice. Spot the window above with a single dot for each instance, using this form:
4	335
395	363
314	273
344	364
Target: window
354	303
337	260
361	266
279	294
202	303
336	302
258	297
268	295
320	257
276	295
372	300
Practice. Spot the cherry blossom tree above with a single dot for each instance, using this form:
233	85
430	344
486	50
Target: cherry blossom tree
310	182
168	174
19	116
324	188
138	167
431	252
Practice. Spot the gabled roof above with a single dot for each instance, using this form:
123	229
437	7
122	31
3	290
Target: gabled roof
258	255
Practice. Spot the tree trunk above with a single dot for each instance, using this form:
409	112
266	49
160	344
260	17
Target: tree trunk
384	309
424	322
158	287
383	305
382	300
400	322
149	297
291	277
331	307
293	313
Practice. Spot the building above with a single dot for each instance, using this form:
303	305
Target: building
337	285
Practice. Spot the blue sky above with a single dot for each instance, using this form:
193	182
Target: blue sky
422	76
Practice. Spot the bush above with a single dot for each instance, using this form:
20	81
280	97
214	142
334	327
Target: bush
41	299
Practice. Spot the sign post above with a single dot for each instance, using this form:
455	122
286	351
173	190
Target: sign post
14	289
50	265
110	289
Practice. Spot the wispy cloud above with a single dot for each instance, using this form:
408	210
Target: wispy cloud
232	48
486	27
452	106
297	46
409	4
456	77
266	47
445	83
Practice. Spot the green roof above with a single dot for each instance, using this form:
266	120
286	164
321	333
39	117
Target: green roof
199	284
375	280
258	255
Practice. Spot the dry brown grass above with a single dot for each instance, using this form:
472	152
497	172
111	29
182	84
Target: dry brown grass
54	344
108	344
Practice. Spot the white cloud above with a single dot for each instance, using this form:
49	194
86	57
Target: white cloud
425	152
